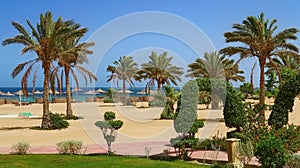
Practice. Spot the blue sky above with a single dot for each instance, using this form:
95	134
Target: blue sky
213	18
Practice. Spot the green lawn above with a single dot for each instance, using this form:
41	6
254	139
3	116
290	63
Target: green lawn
84	161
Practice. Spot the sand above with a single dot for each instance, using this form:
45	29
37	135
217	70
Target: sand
140	124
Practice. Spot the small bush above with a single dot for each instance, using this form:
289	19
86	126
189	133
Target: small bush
293	162
58	122
271	152
21	148
167	114
108	100
109	115
73	117
69	147
159	100
215	143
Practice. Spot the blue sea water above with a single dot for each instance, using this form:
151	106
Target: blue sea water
78	96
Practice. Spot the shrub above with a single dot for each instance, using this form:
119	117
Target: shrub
290	136
166	114
159	100
69	147
73	117
21	148
116	124
271	152
293	162
108	100
214	143
109	115
58	122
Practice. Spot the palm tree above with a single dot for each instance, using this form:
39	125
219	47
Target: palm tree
124	69
160	69
44	40
215	66
258	39
71	55
285	68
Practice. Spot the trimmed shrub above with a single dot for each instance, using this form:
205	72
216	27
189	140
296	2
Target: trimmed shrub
284	102
109	115
58	122
21	148
69	147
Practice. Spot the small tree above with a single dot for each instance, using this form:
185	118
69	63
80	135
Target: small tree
172	97
109	127
284	102
186	123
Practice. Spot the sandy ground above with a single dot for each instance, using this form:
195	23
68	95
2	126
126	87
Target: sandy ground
140	124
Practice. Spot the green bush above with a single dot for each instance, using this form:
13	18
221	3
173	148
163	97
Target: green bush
159	100
116	124
284	102
73	117
271	152
109	115
58	122
290	136
108	100
293	162
21	148
167	114
69	147
214	143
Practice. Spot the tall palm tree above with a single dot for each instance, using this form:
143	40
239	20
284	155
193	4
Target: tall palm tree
72	54
44	40
124	69
160	69
215	66
258	39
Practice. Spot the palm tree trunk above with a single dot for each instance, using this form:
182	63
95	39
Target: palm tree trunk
69	111
158	86
46	121
262	88
124	87
251	77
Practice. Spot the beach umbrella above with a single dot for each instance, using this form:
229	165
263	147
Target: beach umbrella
100	91
76	90
8	94
90	92
38	92
126	91
20	93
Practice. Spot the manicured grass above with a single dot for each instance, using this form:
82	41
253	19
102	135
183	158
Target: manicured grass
85	161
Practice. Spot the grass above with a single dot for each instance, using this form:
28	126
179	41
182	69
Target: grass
86	161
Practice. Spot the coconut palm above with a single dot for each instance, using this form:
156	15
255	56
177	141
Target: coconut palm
159	69
124	69
256	37
44	40
72	54
215	66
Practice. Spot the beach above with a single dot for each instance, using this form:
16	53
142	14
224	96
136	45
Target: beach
141	125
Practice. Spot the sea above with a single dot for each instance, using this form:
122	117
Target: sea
80	95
